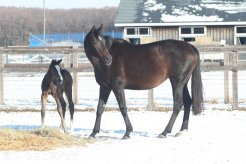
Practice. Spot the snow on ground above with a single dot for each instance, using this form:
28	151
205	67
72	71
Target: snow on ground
23	91
215	137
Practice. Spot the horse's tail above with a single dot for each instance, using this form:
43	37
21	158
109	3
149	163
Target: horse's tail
196	86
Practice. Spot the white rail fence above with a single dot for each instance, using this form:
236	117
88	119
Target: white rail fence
25	59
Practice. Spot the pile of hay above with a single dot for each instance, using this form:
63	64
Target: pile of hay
38	140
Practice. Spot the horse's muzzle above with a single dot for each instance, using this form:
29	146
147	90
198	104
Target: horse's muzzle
107	60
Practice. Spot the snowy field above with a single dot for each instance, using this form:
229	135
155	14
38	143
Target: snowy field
214	137
23	91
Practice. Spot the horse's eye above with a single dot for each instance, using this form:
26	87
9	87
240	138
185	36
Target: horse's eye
94	41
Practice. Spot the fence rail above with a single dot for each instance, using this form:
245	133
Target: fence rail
72	63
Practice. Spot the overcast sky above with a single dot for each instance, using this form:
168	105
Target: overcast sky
63	4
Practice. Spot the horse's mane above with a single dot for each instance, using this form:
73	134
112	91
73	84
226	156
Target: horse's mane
110	41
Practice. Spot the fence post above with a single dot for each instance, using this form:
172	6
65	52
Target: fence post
75	75
67	60
151	103
234	80
226	77
1	78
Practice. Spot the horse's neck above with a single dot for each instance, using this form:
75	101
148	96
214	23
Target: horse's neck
98	64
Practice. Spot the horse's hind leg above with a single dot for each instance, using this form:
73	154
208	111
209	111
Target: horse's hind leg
187	104
68	93
44	97
61	108
177	104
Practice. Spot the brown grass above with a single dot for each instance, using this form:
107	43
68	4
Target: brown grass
38	140
212	101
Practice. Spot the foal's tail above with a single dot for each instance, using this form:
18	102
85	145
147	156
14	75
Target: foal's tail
196	87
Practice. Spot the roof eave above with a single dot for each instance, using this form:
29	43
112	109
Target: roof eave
181	24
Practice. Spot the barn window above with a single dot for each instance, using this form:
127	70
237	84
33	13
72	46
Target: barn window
198	30
190	33
240	35
137	31
144	31
186	30
241	30
131	31
192	30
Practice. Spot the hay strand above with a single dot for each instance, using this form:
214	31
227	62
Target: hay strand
38	140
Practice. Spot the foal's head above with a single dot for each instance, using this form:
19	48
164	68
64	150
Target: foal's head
95	46
55	69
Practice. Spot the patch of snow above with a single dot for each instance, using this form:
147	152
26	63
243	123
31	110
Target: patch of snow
227	7
145	14
151	5
24	91
196	7
189	18
213	137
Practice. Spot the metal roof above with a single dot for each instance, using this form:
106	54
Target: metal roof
177	12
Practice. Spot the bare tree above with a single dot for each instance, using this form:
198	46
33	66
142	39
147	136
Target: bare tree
16	24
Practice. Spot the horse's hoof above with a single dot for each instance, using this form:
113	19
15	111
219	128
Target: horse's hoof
91	137
162	136
126	137
180	133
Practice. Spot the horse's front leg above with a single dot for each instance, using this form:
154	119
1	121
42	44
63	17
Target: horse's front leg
103	98
120	96
44	97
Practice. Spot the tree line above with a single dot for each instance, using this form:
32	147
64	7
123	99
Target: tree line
16	24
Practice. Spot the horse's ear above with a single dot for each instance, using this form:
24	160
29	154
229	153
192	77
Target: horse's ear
59	61
100	28
92	29
52	62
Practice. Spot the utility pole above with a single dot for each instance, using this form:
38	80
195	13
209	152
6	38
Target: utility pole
44	23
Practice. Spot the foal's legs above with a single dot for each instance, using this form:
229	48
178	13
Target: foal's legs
61	106
44	97
68	93
120	96
103	98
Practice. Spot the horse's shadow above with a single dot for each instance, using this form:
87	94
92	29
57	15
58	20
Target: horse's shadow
113	134
20	127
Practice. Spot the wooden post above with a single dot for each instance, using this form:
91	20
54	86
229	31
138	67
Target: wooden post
1	78
151	103
75	75
67	60
226	77
234	80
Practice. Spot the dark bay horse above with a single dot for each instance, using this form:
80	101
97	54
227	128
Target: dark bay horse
55	82
119	65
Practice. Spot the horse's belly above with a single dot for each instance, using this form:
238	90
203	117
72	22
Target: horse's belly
143	83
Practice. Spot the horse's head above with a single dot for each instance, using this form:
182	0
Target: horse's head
95	45
56	69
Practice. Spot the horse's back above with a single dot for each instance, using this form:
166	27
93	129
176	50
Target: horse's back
67	77
147	66
45	83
